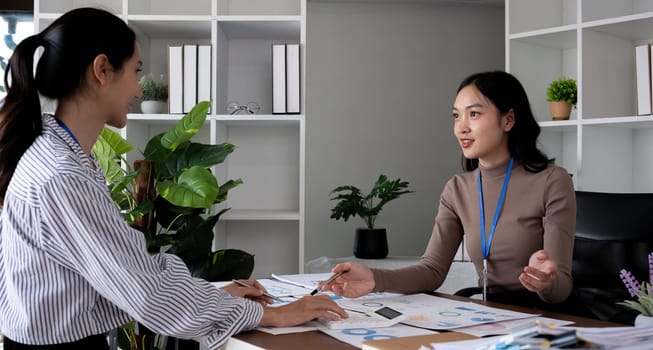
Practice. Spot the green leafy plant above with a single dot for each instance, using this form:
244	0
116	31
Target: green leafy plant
351	202
153	89
563	89
642	292
169	197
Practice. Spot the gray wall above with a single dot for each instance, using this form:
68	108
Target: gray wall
381	79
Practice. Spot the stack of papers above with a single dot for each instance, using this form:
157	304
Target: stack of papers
532	336
632	338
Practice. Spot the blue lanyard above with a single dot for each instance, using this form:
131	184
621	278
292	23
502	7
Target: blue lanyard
65	127
487	242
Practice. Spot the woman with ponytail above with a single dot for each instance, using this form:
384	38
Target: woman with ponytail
71	269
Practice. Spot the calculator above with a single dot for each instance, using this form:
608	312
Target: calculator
380	318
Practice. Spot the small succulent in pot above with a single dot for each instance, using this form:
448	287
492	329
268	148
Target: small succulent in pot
153	89
563	89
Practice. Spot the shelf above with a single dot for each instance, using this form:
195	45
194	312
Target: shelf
530	15
634	27
155	117
244	57
634	122
594	10
558	38
260	28
172	27
61	6
553	61
259	7
50	16
271	215
258	120
559	126
170	7
608	75
602	144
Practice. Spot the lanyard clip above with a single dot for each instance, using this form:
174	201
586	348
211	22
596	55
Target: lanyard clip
484	279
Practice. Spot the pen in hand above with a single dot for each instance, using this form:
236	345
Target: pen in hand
331	279
265	294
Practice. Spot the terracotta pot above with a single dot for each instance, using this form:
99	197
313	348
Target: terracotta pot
560	110
371	244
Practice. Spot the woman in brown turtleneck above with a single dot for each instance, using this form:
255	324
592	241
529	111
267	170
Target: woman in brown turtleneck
528	255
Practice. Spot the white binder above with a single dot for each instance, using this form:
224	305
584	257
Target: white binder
190	77
278	79
643	78
204	73
175	82
292	79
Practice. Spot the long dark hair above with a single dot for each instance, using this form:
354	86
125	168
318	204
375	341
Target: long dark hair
506	93
70	44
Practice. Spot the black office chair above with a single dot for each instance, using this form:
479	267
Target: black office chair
469	291
614	231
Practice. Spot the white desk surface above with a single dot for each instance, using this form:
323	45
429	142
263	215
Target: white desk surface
461	274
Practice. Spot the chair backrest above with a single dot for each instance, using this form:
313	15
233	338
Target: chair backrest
614	231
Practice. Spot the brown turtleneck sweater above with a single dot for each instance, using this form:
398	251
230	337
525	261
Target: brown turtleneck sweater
539	212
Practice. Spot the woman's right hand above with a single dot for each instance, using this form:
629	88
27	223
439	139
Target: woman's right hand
357	280
301	311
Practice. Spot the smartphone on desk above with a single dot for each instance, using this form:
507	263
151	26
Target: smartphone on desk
380	318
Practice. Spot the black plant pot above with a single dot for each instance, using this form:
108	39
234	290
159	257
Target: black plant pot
370	243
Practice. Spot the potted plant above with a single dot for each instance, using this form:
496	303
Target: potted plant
155	94
562	94
643	292
370	242
170	195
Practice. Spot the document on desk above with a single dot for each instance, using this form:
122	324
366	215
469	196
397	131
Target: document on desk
307	282
632	338
507	327
282	289
431	312
356	336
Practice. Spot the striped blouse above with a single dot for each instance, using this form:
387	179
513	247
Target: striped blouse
70	267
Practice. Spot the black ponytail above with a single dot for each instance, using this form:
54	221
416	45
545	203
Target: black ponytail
20	115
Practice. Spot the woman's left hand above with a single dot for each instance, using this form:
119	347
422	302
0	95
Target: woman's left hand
540	272
255	292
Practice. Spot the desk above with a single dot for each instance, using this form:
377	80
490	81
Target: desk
319	341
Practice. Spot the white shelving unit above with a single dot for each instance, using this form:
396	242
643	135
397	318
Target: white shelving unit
267	215
604	144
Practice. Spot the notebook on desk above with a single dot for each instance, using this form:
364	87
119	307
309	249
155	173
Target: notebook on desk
415	342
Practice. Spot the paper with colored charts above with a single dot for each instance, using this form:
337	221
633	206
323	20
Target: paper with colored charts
431	312
356	336
507	327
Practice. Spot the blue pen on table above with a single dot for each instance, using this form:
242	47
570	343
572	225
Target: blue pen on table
265	294
331	279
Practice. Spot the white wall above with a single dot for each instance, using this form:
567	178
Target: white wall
381	79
